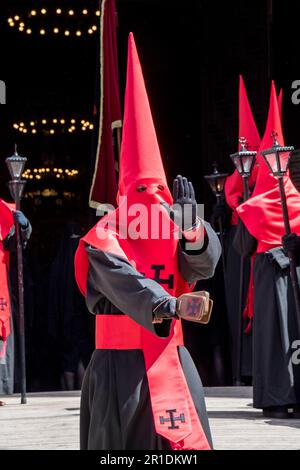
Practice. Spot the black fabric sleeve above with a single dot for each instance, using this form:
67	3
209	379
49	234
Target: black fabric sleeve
128	290
244	243
10	242
200	264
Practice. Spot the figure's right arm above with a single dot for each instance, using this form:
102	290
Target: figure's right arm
115	279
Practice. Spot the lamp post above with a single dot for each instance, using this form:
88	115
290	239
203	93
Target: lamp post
243	162
277	158
15	165
216	182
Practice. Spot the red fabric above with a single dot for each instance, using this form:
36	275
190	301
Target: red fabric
104	184
6	223
262	213
249	306
247	128
280	104
121	332
141	163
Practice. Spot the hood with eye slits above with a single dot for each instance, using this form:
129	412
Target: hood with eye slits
140	161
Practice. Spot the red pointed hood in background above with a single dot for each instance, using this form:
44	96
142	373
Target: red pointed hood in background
247	129
140	154
265	180
280	104
262	213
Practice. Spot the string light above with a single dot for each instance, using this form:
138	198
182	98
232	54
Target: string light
46	173
29	21
53	126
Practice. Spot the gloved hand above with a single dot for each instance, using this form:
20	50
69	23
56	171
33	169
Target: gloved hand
184	209
291	242
165	310
20	218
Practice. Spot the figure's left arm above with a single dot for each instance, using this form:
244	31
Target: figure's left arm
199	251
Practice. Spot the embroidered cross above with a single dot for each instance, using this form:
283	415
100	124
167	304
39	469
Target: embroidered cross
194	307
172	419
159	267
3	304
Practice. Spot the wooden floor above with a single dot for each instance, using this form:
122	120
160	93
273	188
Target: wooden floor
51	421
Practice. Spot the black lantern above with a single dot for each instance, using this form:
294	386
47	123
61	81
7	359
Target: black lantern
277	158
243	162
216	182
15	165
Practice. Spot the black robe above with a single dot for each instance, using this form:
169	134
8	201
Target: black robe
69	325
232	288
276	377
9	365
116	412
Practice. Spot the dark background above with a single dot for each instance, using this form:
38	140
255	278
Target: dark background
191	53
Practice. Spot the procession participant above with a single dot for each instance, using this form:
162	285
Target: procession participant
141	389
8	292
276	378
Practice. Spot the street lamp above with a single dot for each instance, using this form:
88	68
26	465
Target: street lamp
216	182
277	158
15	165
243	161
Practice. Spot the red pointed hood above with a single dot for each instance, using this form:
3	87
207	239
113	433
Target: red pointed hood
140	154
247	129
265	180
262	213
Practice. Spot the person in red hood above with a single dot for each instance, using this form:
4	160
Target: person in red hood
141	389
8	286
276	376
234	194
